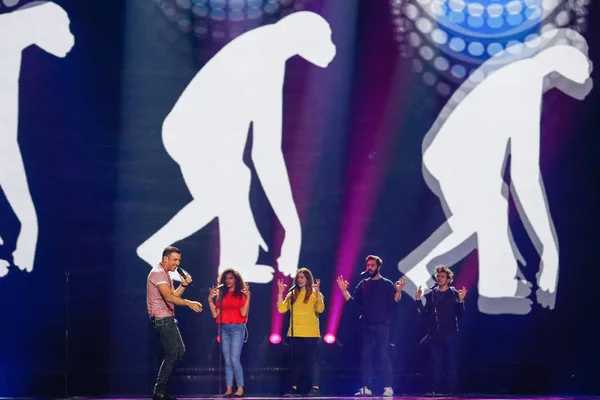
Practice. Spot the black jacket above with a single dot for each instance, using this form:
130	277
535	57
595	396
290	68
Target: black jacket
443	311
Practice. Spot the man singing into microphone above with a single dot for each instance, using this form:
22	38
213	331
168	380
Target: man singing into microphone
161	299
376	298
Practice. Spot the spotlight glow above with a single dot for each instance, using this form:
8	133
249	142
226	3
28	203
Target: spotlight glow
329	338
275	338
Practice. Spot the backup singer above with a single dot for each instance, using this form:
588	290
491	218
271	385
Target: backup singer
444	307
232	316
307	302
376	298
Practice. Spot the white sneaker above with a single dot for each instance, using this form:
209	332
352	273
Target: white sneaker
363	391
388	392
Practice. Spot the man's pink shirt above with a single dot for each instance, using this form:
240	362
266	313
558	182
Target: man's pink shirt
157	305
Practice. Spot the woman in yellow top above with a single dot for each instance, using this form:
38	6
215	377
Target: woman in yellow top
307	303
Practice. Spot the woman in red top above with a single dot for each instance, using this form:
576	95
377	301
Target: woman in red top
232	316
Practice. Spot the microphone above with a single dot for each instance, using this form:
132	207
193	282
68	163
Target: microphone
366	271
183	275
220	286
294	286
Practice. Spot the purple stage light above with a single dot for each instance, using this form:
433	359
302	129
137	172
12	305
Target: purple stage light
275	338
329	338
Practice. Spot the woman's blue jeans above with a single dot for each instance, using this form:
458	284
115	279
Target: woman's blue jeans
232	340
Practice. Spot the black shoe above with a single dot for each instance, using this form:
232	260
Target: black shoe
291	393
314	392
162	396
439	394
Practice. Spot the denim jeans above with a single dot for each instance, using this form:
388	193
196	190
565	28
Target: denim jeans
173	347
448	344
232	340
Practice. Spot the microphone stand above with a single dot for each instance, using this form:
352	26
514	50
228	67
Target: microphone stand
67	273
220	333
292	337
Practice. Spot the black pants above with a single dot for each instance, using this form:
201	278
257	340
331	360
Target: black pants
305	359
173	347
377	336
449	345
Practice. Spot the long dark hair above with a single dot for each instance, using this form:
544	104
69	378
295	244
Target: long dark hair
239	283
309	284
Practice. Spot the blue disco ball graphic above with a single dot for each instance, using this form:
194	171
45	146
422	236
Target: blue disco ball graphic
225	19
448	39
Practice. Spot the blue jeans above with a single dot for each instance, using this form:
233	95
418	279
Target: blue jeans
232	340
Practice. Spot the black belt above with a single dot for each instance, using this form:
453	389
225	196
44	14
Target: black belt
160	320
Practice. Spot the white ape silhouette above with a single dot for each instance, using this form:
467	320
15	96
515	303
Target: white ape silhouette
206	133
46	25
465	155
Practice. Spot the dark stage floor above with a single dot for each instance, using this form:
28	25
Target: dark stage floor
400	397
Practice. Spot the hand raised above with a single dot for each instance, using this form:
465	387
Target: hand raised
212	292
246	290
281	286
317	285
400	284
462	293
342	284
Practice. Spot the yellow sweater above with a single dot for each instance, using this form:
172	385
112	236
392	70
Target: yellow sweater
306	315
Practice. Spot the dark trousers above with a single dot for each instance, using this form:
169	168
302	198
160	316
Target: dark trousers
173	347
305	359
438	346
378	337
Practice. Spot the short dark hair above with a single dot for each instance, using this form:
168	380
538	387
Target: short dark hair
443	269
170	249
378	260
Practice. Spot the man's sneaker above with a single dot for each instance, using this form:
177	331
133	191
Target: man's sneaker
162	396
291	393
314	392
363	391
388	392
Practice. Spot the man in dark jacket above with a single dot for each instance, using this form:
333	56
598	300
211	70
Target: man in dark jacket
444	306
